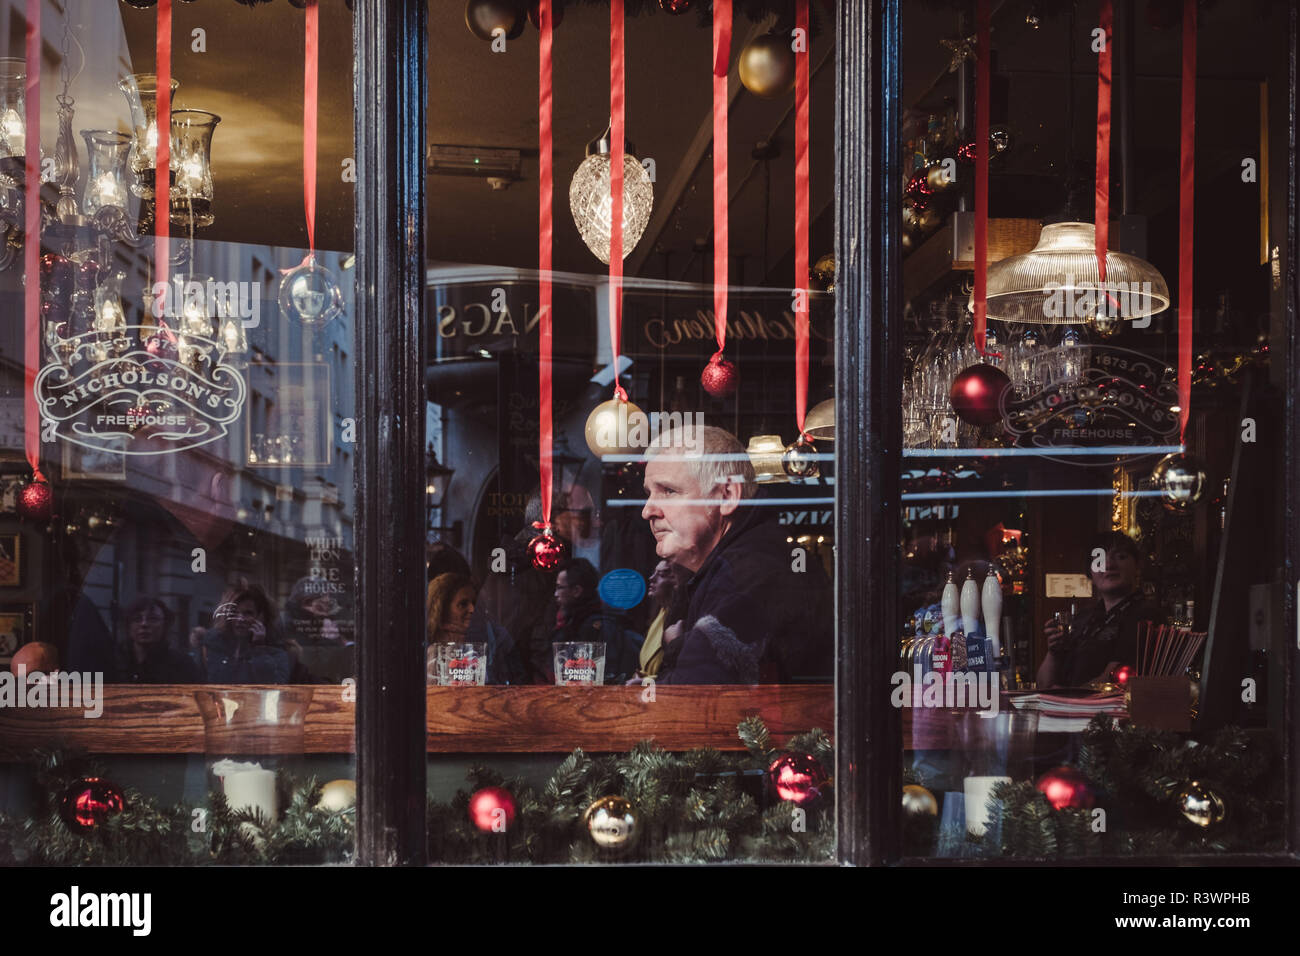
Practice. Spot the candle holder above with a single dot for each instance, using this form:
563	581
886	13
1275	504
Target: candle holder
106	156
191	197
141	92
995	748
13	122
249	735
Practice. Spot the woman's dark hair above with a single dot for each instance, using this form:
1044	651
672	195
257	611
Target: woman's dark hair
144	604
265	609
1108	541
440	595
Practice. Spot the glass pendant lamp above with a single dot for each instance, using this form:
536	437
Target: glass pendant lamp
590	201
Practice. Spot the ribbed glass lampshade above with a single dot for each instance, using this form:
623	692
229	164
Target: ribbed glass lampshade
765	455
1057	282
820	422
590	202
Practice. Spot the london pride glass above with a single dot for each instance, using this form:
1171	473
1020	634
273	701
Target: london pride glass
457	665
579	663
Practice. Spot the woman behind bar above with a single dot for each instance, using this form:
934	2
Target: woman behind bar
1104	636
453	618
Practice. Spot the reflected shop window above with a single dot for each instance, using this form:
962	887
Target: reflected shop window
624	526
1091	644
176	435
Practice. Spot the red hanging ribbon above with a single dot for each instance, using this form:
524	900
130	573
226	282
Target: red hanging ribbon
721	65
310	98
1186	207
32	249
545	231
982	177
163	152
616	151
801	218
1102	220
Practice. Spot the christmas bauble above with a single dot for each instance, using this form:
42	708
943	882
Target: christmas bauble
310	294
918	190
719	378
767	65
937	178
675	7
612	822
35	657
557	13
800	460
918	801
87	275
90	801
1122	674
1103	325
1201	805
928	219
547	552
36	501
1180	480
337	796
797	778
1066	787
492	809
484	17
977	393
911	216
56	274
822	275
613	428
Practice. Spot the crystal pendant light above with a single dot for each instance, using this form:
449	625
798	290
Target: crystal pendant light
191	198
141	92
106	154
1057	282
590	201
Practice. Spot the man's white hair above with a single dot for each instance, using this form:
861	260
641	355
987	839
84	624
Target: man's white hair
713	455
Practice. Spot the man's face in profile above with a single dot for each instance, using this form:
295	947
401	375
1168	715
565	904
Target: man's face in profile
685	532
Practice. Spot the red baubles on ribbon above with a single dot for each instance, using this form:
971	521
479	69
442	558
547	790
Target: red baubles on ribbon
545	233
1066	787
798	778
982	68
88	802
719	377
36	501
977	392
492	809
800	459
1186	219
32	336
546	551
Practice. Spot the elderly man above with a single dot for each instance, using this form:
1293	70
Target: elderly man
755	612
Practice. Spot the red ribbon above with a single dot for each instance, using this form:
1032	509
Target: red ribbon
721	64
1102	228
545	232
982	176
32	250
310	98
616	150
163	153
1186	207
801	218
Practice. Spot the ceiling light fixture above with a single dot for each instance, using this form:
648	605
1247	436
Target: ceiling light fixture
591	204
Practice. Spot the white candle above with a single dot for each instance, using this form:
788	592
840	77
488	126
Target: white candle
248	786
978	792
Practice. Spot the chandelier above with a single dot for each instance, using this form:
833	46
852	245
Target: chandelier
591	204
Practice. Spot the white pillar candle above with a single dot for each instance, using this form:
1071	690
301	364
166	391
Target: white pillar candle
248	786
978	791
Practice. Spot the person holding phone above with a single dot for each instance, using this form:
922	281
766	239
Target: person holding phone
243	646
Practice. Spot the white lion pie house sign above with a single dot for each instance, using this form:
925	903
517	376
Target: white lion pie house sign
113	394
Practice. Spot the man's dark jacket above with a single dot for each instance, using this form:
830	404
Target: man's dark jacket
759	610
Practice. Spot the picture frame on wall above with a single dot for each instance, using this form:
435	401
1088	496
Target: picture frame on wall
288	421
17	627
93	464
11	559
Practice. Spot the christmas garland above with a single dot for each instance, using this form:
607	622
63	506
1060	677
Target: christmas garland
697	806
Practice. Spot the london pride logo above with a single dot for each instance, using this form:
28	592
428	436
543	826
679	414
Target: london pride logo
175	391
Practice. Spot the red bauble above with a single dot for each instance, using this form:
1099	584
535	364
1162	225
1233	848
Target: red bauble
977	393
1122	674
36	501
557	13
797	778
719	378
89	802
548	552
675	7
1066	787
492	809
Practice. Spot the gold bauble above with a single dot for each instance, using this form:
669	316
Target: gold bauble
929	219
911	217
1201	805
337	796
767	65
918	801
1102	325
612	823
615	427
822	274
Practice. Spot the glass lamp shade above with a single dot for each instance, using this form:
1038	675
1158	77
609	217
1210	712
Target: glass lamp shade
765	453
13	122
1057	282
106	152
141	92
591	203
820	422
191	197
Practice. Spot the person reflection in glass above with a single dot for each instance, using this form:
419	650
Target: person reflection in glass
243	646
755	610
146	656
